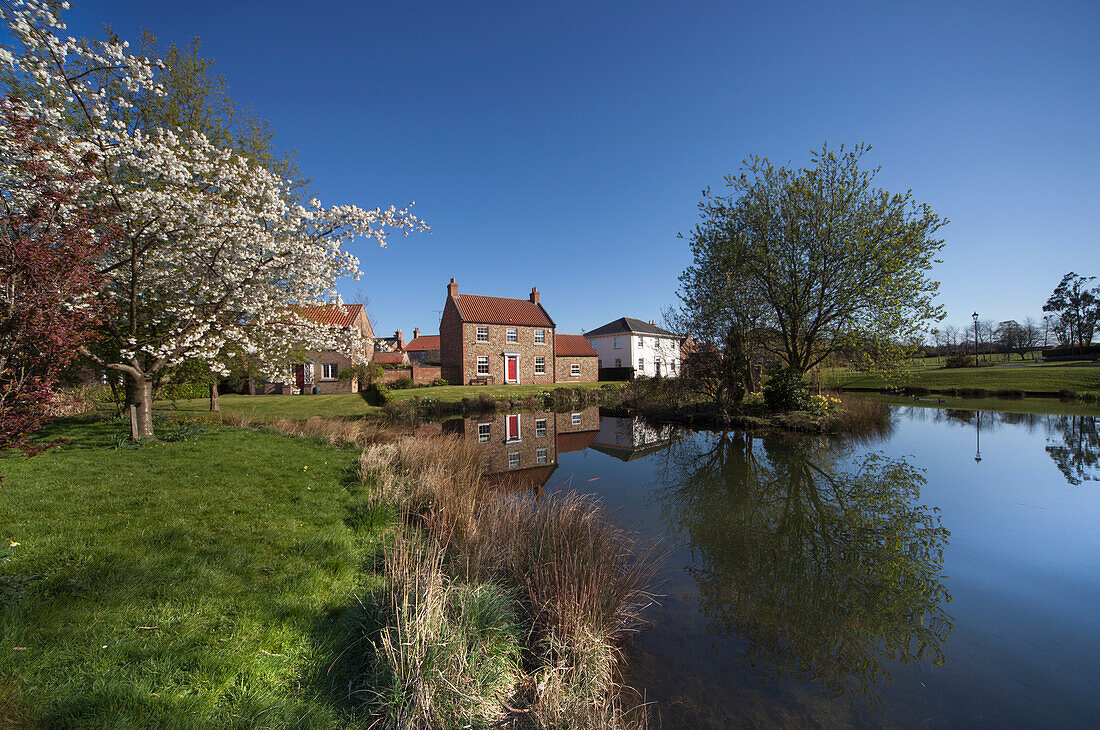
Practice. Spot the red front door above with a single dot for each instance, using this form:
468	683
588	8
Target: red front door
300	376
512	368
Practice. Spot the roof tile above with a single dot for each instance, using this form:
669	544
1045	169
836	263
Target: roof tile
499	310
572	346
423	343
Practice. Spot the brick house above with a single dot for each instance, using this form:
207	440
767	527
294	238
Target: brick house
423	349
574	360
320	371
498	340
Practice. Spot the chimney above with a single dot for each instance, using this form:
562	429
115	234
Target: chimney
452	289
416	332
534	295
400	343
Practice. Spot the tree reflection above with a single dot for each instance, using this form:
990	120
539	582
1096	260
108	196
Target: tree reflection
1078	454
829	570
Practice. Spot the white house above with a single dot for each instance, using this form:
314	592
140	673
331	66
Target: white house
629	342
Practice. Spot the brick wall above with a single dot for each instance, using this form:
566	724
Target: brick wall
450	344
590	372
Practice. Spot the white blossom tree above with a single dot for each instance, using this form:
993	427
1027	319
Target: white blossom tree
210	257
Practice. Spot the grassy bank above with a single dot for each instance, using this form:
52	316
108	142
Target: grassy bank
299	407
1041	378
208	582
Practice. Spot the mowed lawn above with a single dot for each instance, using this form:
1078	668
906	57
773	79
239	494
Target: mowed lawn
205	583
297	407
1039	378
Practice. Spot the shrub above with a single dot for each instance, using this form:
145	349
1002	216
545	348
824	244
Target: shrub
401	384
786	391
1089	396
439	381
972	392
958	361
1008	393
1066	394
377	394
184	391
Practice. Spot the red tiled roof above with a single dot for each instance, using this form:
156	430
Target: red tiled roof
498	310
572	346
389	358
568	442
423	343
331	314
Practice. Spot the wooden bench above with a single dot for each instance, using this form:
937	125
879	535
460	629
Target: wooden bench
483	380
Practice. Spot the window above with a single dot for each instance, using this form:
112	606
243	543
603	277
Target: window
618	362
618	344
576	419
512	334
328	370
540	337
641	341
599	362
641	365
540	427
512	425
672	366
513	460
484	430
540	365
575	369
482	334
540	456
482	364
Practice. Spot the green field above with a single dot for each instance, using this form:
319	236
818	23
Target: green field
204	583
271	407
1041	377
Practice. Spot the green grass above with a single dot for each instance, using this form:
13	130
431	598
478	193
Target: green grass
1049	378
297	407
204	583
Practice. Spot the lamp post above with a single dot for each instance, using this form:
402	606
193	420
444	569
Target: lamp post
975	316
978	436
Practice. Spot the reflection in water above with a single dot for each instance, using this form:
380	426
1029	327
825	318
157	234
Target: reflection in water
521	449
1073	442
829	570
629	439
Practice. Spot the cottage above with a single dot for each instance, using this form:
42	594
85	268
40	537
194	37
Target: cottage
629	342
498	340
320	371
423	349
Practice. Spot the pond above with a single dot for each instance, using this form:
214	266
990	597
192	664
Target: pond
942	572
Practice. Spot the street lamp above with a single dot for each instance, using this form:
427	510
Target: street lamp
975	316
978	450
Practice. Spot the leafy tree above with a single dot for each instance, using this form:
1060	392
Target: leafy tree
1077	307
822	259
828	566
214	253
49	247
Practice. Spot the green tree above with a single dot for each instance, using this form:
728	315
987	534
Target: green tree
810	261
1077	308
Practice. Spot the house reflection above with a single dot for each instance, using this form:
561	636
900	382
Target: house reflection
521	449
628	439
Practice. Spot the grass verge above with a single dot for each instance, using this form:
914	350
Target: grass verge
1041	378
208	582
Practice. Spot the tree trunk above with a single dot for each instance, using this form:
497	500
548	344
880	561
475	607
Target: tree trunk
251	384
139	393
214	406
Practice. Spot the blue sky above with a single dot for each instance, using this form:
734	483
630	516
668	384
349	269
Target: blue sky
564	145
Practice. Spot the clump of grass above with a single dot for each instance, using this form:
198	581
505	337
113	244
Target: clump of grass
1089	396
335	431
857	415
449	653
580	581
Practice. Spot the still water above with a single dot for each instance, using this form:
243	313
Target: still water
942	572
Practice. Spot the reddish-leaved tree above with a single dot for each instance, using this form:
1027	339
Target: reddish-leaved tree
49	245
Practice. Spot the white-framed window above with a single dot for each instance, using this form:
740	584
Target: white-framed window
641	341
540	337
540	427
512	334
575	369
328	370
511	425
617	344
618	362
641	364
576	419
540	365
482	364
540	456
482	334
484	432
513	460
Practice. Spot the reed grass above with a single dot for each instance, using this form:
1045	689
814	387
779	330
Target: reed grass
579	581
